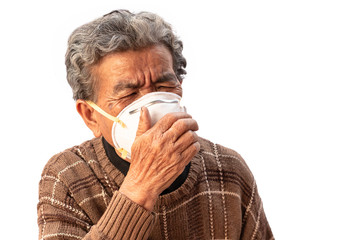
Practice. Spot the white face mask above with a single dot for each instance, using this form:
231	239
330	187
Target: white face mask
126	123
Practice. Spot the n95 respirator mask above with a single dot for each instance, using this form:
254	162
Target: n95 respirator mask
126	123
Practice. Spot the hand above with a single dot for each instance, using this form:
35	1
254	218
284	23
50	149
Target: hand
159	155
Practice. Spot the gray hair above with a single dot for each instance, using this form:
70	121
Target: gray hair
116	31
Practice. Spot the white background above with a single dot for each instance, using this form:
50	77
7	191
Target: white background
278	81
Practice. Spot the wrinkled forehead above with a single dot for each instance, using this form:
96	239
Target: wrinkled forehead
155	57
134	68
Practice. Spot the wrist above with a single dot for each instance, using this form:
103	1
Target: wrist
141	197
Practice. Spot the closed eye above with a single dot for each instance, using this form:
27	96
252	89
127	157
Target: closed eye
129	95
166	87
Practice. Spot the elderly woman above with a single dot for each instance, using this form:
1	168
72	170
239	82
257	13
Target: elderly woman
146	174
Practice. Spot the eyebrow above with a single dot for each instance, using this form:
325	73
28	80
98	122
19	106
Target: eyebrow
167	77
127	84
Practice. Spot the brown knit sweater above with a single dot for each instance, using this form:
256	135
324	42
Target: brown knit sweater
78	199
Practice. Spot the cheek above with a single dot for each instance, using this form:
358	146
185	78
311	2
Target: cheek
105	128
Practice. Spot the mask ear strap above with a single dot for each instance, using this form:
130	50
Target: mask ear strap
105	114
123	153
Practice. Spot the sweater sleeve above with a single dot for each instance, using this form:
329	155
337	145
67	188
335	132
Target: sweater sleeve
254	223
124	219
60	217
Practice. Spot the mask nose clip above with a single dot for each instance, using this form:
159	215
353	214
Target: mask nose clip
152	103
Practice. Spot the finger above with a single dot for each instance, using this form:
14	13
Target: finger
144	122
190	152
180	127
165	123
186	140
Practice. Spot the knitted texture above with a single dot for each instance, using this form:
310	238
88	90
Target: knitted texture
78	199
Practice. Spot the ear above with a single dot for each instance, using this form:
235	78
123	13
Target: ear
88	114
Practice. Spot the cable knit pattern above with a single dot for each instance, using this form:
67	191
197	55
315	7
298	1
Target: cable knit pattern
78	199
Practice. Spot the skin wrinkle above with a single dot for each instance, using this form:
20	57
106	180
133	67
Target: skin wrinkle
126	68
124	85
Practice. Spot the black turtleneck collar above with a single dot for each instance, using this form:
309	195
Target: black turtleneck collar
123	166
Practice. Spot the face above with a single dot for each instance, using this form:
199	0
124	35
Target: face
126	76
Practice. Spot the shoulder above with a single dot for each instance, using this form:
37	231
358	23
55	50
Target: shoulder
71	162
226	157
226	160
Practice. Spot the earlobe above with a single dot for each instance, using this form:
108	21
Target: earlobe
88	115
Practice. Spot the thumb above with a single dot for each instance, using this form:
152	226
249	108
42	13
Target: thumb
144	122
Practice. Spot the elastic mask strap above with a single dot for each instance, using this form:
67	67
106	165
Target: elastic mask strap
105	114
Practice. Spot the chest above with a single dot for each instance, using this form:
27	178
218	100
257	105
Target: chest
205	215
